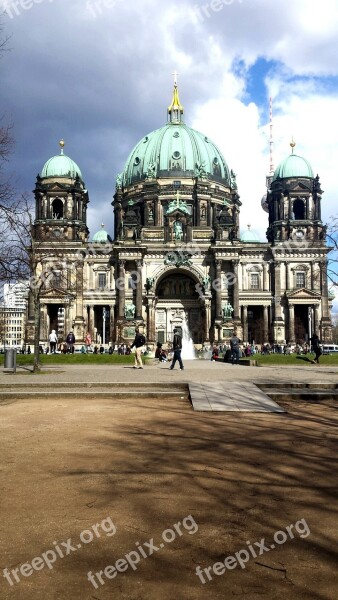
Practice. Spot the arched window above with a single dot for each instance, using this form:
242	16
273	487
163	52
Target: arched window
57	209
299	210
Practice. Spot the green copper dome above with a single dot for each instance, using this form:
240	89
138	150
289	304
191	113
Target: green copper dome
61	166
101	237
249	236
293	166
175	151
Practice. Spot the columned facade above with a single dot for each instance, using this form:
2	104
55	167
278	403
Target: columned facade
176	257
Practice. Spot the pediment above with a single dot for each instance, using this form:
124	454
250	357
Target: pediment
56	186
303	293
299	186
54	292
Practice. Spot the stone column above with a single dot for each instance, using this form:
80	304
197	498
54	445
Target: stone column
235	264
288	276
43	322
265	324
91	321
207	321
139	290
277	292
291	323
316	318
324	290
111	323
151	325
265	277
121	288
245	323
218	286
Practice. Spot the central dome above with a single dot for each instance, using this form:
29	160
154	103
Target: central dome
175	151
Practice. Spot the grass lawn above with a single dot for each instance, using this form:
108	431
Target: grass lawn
294	359
78	359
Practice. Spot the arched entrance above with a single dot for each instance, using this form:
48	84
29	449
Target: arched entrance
178	300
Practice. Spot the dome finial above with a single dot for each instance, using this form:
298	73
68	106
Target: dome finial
102	225
175	110
292	144
62	145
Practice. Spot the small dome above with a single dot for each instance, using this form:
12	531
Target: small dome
61	166
101	237
293	166
249	235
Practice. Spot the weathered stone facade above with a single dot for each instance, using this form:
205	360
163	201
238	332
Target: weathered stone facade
177	253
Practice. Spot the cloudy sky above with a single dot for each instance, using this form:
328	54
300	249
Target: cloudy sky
98	73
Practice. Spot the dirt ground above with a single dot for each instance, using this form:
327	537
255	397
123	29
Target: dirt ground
142	466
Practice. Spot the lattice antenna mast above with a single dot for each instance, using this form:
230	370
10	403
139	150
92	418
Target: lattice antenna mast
272	166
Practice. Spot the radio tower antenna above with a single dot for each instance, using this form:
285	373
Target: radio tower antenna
272	167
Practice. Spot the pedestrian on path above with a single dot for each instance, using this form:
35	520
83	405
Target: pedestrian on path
234	345
138	343
177	347
315	341
53	340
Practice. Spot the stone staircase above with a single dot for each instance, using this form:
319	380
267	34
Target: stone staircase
84	390
308	392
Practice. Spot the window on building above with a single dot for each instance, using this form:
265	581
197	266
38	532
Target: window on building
300	279
102	280
254	281
176	184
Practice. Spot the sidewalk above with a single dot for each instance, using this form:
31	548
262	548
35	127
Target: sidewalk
198	371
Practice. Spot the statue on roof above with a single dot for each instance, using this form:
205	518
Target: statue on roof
119	180
233	182
200	172
151	171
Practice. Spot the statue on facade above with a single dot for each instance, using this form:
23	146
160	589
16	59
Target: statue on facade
129	311
206	282
151	171
178	230
149	283
227	311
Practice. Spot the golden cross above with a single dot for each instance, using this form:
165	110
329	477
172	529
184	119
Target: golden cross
175	77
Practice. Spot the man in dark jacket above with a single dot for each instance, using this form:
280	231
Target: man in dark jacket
234	345
138	343
315	342
70	339
177	346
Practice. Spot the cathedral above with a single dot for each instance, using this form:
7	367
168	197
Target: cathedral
176	258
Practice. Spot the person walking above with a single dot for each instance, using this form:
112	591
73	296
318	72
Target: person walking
234	345
53	340
315	342
177	347
70	339
88	341
138	343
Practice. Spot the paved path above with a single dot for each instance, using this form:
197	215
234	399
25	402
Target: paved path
233	397
198	371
